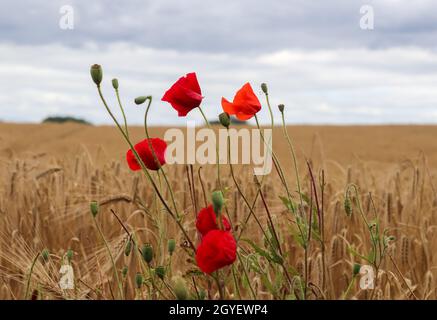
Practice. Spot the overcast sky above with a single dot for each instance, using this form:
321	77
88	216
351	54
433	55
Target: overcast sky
314	55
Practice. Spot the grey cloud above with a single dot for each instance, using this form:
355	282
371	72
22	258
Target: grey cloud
223	26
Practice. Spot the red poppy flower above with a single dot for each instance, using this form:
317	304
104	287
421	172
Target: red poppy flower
143	150
207	221
184	95
217	250
245	104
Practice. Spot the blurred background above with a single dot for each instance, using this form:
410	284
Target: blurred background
329	62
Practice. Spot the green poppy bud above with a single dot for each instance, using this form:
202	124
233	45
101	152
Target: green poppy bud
115	84
202	294
45	254
160	272
94	208
139	280
141	99
225	120
180	289
264	88
69	255
147	253
124	271
217	201
128	248
96	74
348	206
356	269
171	246
281	107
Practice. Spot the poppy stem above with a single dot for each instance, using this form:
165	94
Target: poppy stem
122	112
155	158
30	276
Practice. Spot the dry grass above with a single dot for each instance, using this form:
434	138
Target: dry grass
50	173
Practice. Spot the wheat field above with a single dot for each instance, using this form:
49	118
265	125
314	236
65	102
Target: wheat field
49	174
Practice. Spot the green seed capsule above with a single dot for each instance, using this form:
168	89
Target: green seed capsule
180	289
147	253
356	269
96	73
264	88
281	107
128	248
139	280
224	119
348	206
69	255
160	272
124	271
45	254
171	246
115	83
94	208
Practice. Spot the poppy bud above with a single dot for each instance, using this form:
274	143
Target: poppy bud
356	269
139	280
115	83
69	255
127	248
348	206
281	107
171	246
124	271
160	272
202	294
217	201
45	254
225	120
180	289
147	253
94	208
264	88
141	99
96	74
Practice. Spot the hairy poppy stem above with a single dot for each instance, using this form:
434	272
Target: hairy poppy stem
122	112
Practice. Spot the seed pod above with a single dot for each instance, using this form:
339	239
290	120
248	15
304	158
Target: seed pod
139	280
217	201
225	120
94	208
115	83
147	253
348	206
160	272
202	294
128	248
180	289
69	255
281	107
141	99
96	74
171	246
356	269
45	254
124	271
264	88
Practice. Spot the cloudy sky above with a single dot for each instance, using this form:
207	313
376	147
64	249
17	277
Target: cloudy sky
314	55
